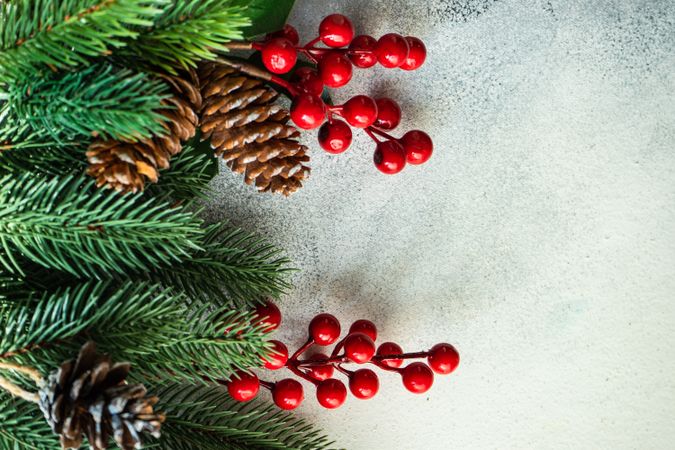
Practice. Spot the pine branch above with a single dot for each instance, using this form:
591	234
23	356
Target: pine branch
190	31
66	224
36	34
53	161
100	100
22	426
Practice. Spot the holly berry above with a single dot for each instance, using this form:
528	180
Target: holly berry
360	111
324	329
443	358
417	377
308	111
335	137
366	327
279	55
287	32
331	393
364	384
390	348
308	80
336	31
320	372
388	114
390	157
277	357
243	386
366	44
418	146
288	393
335	69
359	348
392	50
268	316
417	54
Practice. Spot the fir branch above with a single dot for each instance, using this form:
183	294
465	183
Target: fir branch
36	34
190	31
53	161
66	224
22	426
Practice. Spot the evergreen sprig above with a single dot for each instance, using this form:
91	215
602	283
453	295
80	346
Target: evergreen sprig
22	426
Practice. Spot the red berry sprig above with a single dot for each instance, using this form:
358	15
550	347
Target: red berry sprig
357	347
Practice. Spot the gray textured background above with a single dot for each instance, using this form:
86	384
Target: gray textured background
540	238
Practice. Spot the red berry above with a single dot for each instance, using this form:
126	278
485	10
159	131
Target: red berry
390	348
335	70
418	146
279	55
268	316
320	372
443	358
366	44
417	377
288	393
366	327
417	54
336	31
392	50
331	393
308	111
389	157
388	114
359	348
335	137
243	386
360	111
277	357
324	329
287	32
364	384
308	80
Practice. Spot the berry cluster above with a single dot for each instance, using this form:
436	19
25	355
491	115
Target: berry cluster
334	69
358	347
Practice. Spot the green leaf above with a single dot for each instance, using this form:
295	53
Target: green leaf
267	16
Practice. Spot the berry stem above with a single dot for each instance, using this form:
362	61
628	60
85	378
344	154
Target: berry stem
385	367
266	384
382	133
302	374
242	45
322	361
311	44
293	360
341	369
414	355
369	132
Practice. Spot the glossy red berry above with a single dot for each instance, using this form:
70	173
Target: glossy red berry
335	137
279	55
388	114
336	31
243	386
277	356
288	394
418	146
359	348
320	372
389	157
308	111
366	327
360	111
390	348
364	55
335	70
308	80
364	384
324	329
268	316
417	377
443	358
287	32
392	50
417	54
331	393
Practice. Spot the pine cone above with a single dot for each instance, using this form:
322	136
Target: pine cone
125	166
89	397
249	131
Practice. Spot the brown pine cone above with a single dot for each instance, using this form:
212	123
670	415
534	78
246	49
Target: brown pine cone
249	131
126	166
89	397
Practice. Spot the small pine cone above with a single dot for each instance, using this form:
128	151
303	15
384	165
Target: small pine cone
88	397
126	166
249	131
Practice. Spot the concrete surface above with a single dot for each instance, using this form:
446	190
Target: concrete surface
540	238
